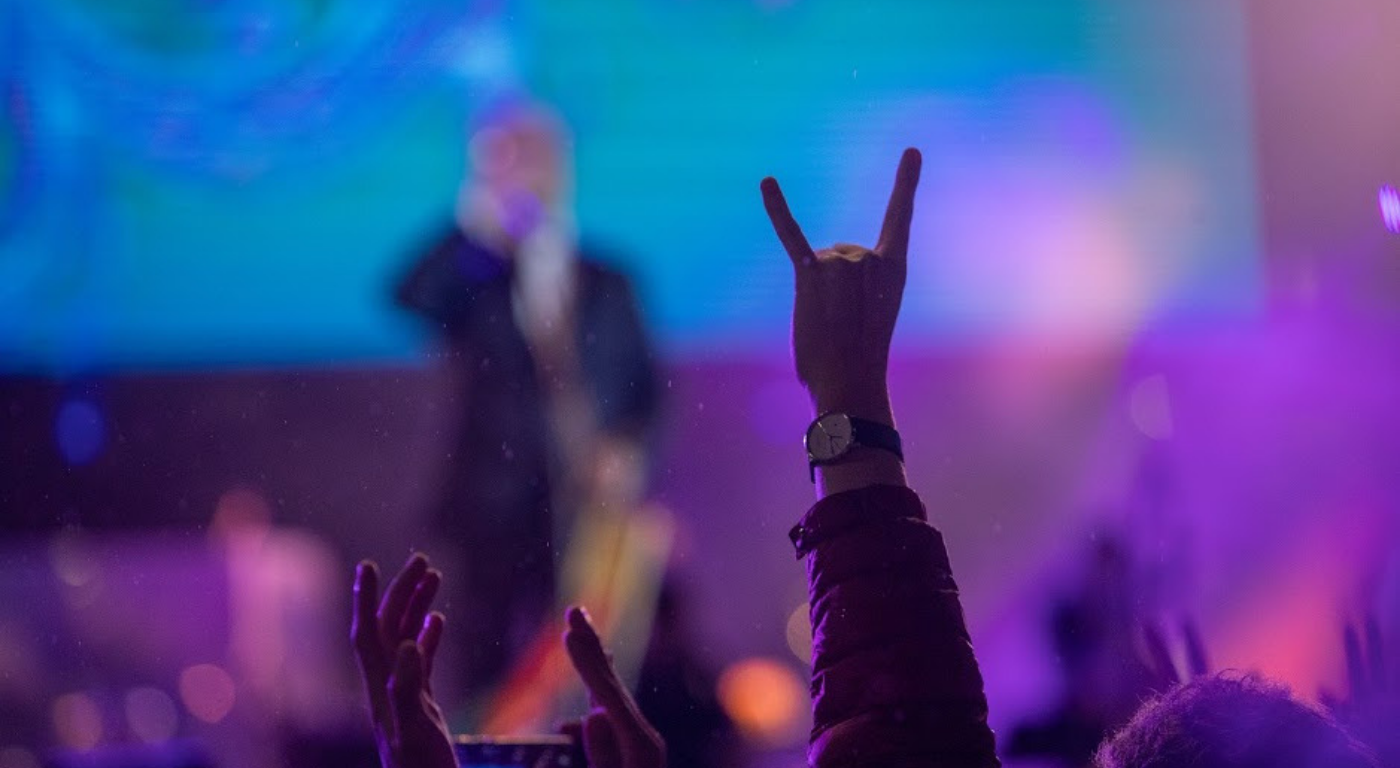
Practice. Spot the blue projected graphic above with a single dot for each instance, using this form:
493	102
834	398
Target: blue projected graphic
190	184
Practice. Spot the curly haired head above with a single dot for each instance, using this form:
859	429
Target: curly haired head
1226	721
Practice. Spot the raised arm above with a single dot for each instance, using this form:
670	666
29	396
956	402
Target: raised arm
894	679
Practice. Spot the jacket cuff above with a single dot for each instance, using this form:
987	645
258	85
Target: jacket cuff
843	512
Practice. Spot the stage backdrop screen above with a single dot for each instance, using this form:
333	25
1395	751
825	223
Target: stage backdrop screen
238	184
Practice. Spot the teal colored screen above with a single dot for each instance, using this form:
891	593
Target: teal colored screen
238	184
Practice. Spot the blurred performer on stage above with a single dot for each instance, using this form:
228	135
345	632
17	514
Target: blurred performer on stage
557	381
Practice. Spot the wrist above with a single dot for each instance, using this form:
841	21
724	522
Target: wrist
870	402
863	468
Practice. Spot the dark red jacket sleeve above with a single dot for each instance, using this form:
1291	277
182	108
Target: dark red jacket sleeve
894	678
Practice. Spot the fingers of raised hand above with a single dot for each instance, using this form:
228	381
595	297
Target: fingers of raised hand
899	213
397	598
1196	656
894	231
428	639
607	691
1161	664
1365	665
431	634
591	661
364	627
786	227
1163	669
844	252
418	602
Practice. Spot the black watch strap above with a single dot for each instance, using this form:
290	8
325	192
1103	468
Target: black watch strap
869	434
873	434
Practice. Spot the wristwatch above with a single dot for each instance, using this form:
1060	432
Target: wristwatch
833	435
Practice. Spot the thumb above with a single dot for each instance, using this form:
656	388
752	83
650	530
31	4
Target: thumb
600	742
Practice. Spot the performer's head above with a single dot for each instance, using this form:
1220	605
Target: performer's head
519	173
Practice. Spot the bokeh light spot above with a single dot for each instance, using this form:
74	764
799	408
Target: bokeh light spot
73	561
799	633
1390	208
207	692
79	431
765	700
151	715
77	722
1150	408
241	512
18	757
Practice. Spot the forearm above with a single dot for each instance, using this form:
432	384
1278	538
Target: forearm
895	680
894	674
863	468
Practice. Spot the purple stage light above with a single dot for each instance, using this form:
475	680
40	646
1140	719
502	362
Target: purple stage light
1390	208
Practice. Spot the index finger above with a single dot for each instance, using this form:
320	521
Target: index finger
587	654
364	624
369	649
899	213
396	597
789	233
1195	649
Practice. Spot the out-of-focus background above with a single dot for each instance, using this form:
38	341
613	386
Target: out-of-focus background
1150	352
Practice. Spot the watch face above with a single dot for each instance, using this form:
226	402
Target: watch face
829	437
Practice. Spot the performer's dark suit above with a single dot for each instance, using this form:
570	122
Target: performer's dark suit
496	502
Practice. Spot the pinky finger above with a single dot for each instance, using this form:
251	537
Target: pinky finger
428	638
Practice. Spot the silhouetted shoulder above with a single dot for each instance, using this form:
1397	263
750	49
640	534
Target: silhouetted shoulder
448	271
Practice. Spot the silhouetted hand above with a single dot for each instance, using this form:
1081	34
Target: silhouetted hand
1162	669
848	299
615	735
1371	709
395	640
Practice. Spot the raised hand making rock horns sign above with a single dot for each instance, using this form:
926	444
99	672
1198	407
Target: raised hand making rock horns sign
844	314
